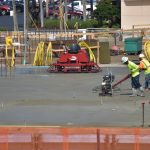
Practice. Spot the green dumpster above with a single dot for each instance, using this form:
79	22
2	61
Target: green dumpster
133	45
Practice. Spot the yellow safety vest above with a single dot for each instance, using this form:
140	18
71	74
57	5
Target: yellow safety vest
146	66
134	69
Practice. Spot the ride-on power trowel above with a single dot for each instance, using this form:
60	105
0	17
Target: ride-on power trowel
77	58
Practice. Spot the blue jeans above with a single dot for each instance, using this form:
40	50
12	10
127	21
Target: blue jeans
135	82
147	81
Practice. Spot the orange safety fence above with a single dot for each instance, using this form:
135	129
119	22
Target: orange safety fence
61	138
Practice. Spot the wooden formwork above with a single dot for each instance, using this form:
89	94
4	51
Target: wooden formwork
63	138
35	37
142	30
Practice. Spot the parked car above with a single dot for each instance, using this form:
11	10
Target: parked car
75	11
78	5
54	11
15	0
19	5
4	9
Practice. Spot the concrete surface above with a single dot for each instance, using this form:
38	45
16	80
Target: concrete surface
31	96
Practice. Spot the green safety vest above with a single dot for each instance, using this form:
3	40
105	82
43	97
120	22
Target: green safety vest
134	69
146	66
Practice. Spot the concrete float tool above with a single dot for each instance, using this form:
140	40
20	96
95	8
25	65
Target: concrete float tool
122	80
107	87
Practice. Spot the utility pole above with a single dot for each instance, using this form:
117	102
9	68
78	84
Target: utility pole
84	10
61	14
66	11
15	16
91	2
41	14
25	30
47	1
72	5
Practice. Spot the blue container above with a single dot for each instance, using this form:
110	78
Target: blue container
133	45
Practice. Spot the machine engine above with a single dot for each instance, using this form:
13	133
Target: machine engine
106	85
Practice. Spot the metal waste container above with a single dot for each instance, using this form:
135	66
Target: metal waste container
133	45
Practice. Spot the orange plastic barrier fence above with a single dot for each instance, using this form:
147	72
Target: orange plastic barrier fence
53	138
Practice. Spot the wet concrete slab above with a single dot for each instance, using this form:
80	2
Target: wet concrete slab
31	96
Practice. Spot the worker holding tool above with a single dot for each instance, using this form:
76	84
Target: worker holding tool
145	66
135	74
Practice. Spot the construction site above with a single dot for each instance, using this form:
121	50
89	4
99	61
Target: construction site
49	100
68	89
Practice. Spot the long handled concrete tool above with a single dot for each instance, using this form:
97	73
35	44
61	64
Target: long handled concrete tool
106	86
122	80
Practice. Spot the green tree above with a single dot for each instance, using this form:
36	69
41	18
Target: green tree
107	13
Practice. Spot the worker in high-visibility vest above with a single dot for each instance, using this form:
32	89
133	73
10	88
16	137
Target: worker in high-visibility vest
135	74
145	66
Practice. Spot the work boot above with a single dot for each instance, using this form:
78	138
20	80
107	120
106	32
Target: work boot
134	92
141	89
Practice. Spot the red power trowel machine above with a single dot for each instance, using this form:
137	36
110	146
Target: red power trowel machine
75	59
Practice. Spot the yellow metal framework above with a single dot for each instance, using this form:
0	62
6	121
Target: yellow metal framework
147	49
42	55
10	60
84	44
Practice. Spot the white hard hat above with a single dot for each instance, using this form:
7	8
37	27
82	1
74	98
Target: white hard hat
124	59
141	56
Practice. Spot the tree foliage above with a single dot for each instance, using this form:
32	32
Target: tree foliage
54	23
107	13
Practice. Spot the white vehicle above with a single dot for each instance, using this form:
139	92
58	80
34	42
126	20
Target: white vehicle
78	5
84	37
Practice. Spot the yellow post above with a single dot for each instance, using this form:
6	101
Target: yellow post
9	44
98	49
39	55
49	54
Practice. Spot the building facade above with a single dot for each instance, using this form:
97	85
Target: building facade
134	12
